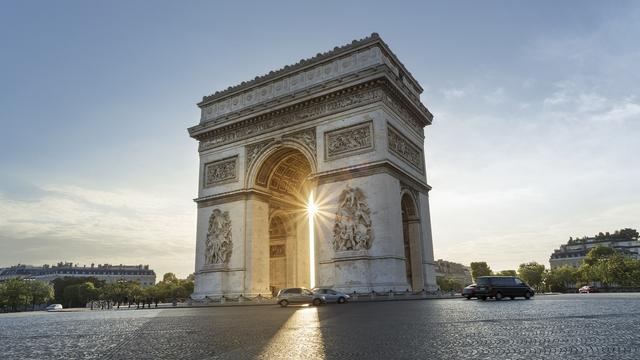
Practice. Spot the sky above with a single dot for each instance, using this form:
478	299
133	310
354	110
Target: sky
536	133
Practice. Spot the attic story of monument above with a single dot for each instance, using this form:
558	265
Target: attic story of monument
314	175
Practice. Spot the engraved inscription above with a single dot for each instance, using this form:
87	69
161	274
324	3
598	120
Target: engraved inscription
347	141
221	171
403	148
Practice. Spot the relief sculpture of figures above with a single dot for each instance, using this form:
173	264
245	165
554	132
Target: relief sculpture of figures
352	230
219	243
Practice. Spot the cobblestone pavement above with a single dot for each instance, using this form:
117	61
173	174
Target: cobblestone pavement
590	326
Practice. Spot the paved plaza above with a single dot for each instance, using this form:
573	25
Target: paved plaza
595	326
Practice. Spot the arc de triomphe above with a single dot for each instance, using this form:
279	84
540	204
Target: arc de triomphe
314	175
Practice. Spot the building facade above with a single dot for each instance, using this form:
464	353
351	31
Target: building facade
573	252
314	175
106	272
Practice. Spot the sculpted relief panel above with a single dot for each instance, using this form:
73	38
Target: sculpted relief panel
352	229
218	243
404	148
221	171
348	141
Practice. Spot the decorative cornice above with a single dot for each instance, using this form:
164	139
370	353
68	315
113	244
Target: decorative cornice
377	90
305	63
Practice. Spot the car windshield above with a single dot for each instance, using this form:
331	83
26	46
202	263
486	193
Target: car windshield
483	281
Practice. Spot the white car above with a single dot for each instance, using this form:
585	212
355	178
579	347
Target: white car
54	307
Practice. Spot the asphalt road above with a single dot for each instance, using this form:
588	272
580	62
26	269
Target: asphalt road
590	326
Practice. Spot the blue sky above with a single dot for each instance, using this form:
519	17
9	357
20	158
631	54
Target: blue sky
535	138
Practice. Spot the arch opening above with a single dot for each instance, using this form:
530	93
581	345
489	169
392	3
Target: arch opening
411	240
284	175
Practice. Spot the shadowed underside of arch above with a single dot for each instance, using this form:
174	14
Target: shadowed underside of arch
285	172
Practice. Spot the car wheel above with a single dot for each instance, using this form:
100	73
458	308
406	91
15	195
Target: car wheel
527	295
483	298
317	302
283	303
512	297
468	297
498	296
341	300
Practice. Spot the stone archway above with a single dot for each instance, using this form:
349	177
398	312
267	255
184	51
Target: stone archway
411	235
283	173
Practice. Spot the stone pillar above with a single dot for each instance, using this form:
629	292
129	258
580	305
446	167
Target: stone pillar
429	269
256	221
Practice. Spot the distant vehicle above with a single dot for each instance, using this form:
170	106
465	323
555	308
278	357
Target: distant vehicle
331	295
54	307
588	289
499	287
299	296
469	291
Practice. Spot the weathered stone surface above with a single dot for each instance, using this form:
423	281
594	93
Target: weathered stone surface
345	127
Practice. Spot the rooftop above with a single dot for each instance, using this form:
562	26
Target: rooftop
374	38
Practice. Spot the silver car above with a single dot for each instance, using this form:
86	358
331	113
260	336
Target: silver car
331	295
299	296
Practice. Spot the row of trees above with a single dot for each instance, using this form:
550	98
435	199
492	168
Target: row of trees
17	294
604	266
20	294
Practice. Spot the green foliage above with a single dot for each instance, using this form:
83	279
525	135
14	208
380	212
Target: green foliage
598	253
61	283
507	273
480	269
533	274
448	284
561	279
18	293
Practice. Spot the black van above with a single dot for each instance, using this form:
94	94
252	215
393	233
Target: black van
499	287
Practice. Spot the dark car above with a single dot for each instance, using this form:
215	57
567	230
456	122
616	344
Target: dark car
499	287
469	291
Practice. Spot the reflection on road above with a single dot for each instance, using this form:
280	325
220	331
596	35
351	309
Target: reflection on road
298	338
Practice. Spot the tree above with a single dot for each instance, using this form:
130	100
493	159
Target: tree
16	293
169	278
448	284
41	292
507	273
598	253
61	283
479	269
532	273
560	279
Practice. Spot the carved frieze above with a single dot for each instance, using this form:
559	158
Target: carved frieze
253	150
220	171
218	243
347	141
313	109
404	148
307	137
352	229
276	251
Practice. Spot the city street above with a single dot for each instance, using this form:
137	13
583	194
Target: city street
552	327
